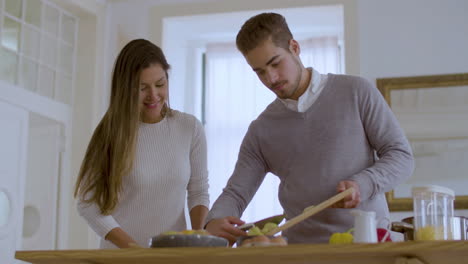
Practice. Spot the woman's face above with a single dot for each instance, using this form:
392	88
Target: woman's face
153	93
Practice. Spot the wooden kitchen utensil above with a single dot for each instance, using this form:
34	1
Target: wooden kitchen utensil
261	223
309	211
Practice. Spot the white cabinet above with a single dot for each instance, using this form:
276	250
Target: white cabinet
13	162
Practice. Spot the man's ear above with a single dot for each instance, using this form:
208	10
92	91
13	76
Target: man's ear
294	47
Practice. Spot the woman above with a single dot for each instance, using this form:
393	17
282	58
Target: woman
144	158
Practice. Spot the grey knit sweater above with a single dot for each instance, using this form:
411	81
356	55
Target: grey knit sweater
349	133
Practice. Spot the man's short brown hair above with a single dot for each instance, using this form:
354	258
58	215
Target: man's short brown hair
261	27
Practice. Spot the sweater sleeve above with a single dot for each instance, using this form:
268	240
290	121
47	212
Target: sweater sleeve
101	224
197	189
395	161
249	172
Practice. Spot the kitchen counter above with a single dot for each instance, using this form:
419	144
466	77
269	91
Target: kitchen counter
444	252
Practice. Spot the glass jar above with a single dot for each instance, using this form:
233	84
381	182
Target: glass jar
433	212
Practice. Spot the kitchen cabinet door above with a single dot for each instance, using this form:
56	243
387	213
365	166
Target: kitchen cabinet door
13	145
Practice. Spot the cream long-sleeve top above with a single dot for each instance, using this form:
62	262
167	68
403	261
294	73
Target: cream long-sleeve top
170	166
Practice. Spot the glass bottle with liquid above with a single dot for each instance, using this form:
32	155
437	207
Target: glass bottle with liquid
433	212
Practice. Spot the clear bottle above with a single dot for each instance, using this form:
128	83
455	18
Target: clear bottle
433	212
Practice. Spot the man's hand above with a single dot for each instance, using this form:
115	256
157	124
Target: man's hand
224	227
350	201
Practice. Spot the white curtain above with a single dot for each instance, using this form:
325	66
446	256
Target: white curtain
234	97
322	53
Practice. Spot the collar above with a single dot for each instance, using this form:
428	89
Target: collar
311	89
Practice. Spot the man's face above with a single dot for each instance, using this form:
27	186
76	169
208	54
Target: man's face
277	68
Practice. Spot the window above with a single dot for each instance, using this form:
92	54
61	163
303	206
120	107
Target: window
37	47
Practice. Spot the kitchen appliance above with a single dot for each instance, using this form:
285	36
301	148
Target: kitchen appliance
433	212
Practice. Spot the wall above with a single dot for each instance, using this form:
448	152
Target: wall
409	38
125	21
89	101
82	119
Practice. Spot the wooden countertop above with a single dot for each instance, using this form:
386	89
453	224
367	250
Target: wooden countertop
444	252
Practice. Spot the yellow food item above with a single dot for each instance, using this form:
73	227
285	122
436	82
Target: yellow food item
430	233
268	227
170	233
341	238
202	232
254	231
188	232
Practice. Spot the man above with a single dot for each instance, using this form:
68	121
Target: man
322	135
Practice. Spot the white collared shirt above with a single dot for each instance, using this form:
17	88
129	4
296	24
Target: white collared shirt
305	101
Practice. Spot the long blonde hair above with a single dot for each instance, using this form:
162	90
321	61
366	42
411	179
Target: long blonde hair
111	151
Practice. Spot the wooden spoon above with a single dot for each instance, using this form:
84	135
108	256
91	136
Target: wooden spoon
311	210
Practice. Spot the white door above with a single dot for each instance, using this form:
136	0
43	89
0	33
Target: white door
13	162
41	186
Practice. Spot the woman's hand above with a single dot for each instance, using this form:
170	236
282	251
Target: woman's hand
120	238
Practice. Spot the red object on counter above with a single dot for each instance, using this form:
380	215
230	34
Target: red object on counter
381	232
